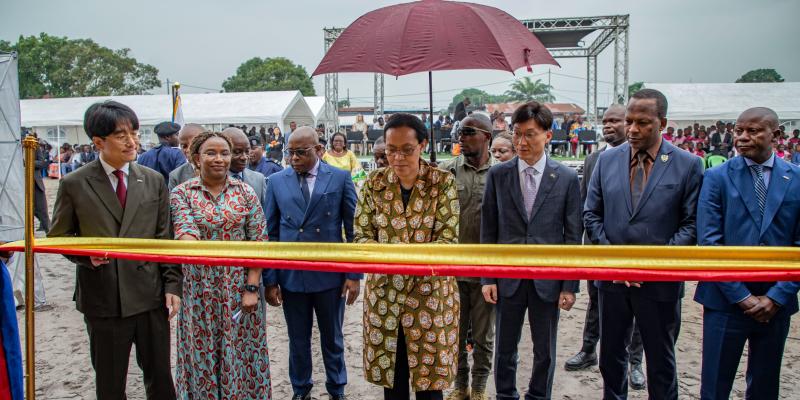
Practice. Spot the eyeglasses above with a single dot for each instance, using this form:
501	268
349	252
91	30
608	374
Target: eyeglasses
299	152
405	151
470	130
124	137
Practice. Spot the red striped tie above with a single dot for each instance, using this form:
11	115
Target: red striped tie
122	191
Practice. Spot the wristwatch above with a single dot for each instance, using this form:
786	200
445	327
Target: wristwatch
252	288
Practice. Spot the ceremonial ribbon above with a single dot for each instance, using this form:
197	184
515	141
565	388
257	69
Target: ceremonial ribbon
633	263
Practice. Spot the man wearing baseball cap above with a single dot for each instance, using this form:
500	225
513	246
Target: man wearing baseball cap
258	162
165	157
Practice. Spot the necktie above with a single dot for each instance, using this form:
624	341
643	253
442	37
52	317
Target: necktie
238	176
304	187
761	187
529	192
122	191
637	187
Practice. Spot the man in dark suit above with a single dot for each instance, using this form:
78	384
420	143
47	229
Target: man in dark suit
240	156
39	194
614	135
311	202
529	200
123	302
164	158
751	200
461	109
187	170
642	192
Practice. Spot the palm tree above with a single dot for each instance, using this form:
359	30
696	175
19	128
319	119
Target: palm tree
526	89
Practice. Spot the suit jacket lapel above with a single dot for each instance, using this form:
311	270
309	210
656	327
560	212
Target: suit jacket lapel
623	171
136	187
516	189
320	187
101	185
660	164
743	181
778	184
293	185
549	179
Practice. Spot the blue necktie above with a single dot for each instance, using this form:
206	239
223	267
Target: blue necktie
238	176
304	187
761	187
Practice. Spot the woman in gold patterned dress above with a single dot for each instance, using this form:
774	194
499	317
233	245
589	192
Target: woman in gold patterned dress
410	322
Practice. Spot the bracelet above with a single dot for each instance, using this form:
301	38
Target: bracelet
252	288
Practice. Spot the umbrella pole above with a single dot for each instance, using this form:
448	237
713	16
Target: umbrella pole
430	116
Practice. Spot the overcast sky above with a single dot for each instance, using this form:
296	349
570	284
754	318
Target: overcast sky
202	42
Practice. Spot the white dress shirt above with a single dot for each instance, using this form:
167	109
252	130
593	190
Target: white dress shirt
110	173
537	178
311	178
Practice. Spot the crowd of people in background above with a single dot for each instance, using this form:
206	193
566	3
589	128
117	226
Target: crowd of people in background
257	184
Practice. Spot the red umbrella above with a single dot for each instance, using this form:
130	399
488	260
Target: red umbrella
434	35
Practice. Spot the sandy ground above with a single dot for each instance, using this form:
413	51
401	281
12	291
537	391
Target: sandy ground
63	369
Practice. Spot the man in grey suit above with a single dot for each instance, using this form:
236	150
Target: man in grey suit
187	170
239	159
529	200
123	302
614	135
642	192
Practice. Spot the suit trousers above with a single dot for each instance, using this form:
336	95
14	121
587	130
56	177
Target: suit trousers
659	324
299	310
591	329
724	336
477	316
40	209
110	341
543	318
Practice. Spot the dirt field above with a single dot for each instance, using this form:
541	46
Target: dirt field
63	370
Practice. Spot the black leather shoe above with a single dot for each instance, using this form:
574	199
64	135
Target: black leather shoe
636	377
306	396
580	361
337	397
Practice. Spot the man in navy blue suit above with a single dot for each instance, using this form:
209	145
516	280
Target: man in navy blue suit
642	192
311	202
751	200
530	199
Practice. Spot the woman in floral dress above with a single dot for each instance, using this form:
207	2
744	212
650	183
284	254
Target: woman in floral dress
222	330
410	322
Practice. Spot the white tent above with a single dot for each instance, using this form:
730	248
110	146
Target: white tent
249	108
12	177
318	108
725	101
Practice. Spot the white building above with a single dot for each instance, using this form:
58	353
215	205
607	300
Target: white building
213	110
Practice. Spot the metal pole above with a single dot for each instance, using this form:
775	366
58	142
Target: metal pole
58	150
30	144
430	116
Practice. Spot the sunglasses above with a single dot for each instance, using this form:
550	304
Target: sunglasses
299	152
471	130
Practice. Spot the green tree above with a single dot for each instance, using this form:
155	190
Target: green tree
527	89
344	103
61	67
634	87
761	75
477	97
257	74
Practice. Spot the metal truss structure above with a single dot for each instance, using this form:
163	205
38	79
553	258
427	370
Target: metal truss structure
563	37
332	85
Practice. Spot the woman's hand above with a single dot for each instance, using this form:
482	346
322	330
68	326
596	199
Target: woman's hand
249	301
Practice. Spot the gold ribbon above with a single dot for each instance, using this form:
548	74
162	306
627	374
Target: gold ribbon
725	258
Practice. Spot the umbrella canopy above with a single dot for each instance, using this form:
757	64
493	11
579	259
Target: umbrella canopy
434	35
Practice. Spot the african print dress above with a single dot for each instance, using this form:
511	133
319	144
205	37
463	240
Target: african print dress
219	356
426	308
